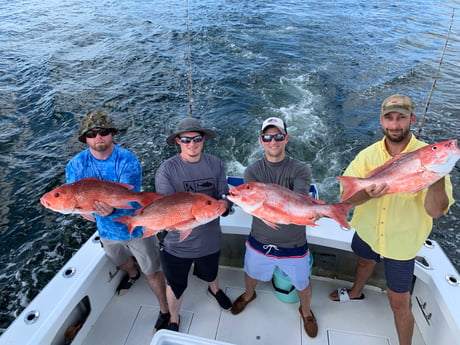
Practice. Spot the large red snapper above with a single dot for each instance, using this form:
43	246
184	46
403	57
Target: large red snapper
181	211
79	197
275	204
408	172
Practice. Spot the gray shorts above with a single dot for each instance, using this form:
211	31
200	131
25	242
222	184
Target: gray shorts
145	250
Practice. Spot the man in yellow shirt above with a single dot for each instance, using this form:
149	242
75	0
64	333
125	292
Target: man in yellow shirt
392	227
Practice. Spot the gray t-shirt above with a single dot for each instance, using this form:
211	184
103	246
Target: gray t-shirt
206	176
289	173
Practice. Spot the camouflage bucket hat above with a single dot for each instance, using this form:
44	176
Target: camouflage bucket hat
95	119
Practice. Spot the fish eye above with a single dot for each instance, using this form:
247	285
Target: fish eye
208	202
434	148
248	187
57	195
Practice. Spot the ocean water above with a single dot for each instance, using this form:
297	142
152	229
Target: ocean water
323	66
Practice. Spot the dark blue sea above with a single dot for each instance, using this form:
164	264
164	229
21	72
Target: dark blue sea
323	66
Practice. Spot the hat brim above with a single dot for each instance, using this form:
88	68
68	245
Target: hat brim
209	133
282	129
400	110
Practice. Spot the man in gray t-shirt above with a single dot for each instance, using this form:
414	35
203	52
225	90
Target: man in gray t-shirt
263	246
192	171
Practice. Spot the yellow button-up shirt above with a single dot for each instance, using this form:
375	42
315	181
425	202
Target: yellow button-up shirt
395	225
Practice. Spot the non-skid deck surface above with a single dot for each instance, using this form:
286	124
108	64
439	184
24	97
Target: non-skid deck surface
265	321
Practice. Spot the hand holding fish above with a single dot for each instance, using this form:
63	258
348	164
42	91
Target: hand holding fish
103	209
407	172
436	200
377	190
371	191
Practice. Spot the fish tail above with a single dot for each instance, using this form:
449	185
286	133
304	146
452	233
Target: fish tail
349	186
127	220
339	212
147	198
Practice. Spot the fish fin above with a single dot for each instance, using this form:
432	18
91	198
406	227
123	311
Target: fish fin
147	198
126	221
139	211
340	212
124	185
184	234
349	186
388	163
125	206
271	224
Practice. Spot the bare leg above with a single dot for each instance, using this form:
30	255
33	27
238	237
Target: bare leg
173	304
129	267
305	300
309	321
364	270
157	284
250	285
248	295
214	285
404	319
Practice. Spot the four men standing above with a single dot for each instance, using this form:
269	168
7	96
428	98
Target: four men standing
380	220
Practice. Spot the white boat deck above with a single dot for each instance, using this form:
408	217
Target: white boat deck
267	320
83	291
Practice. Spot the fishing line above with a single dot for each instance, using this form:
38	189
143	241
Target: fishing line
189	64
422	121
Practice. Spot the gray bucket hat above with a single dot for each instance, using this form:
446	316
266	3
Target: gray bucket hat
95	119
189	124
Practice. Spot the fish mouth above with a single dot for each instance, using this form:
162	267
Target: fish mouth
44	202
452	145
230	193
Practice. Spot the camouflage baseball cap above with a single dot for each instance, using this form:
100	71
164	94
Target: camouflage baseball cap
95	119
398	103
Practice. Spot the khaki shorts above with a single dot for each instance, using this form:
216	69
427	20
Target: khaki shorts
145	250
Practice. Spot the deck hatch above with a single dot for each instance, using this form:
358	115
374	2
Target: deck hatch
338	337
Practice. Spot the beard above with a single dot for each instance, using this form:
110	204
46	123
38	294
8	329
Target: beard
100	147
396	137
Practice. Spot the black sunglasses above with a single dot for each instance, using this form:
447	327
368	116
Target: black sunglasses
92	133
266	138
188	140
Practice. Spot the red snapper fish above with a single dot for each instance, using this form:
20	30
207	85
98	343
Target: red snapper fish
181	211
79	197
275	204
408	172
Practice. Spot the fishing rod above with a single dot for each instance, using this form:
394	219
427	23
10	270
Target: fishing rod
189	65
422	121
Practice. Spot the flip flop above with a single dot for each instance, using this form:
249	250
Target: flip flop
344	297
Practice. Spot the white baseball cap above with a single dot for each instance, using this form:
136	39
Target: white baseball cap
275	121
